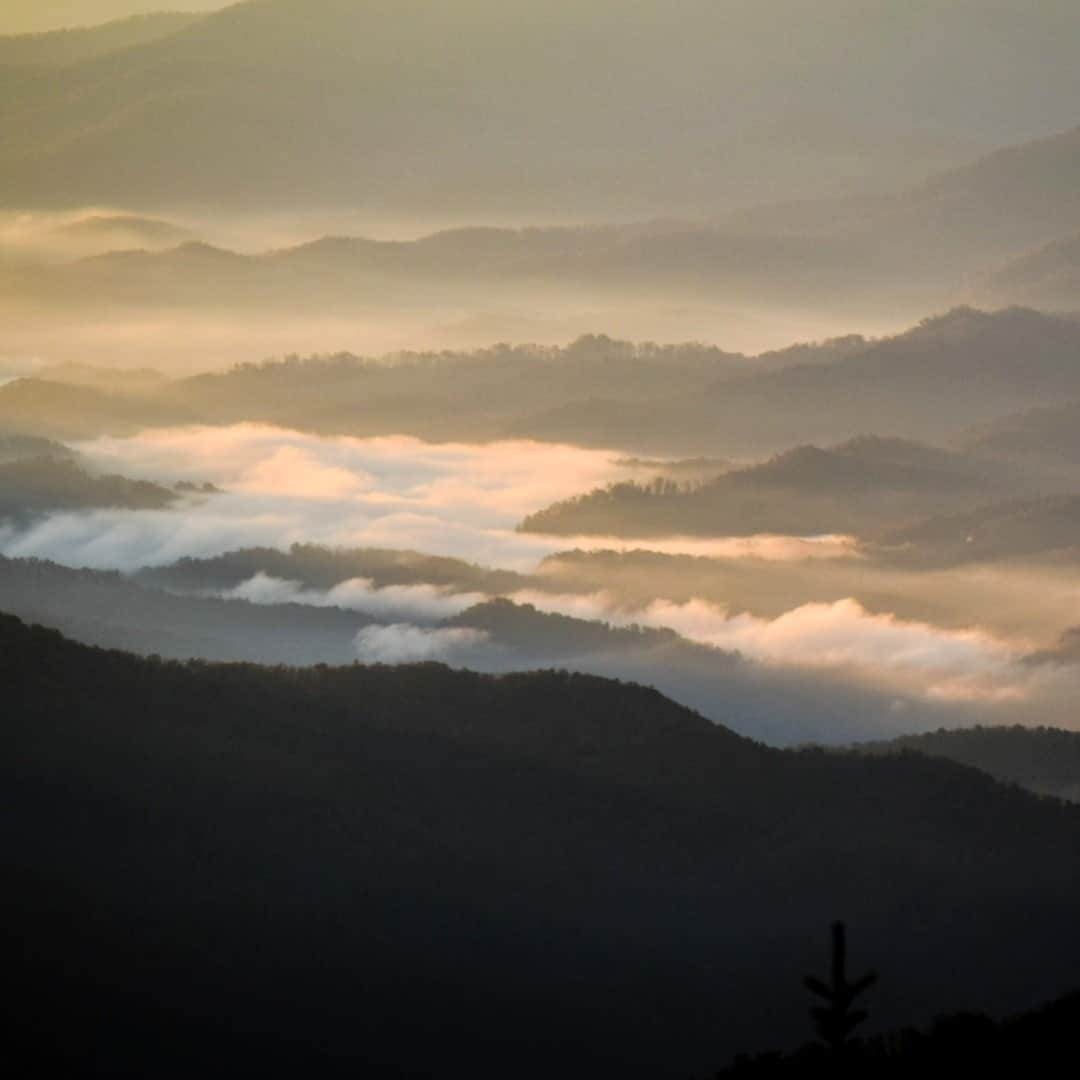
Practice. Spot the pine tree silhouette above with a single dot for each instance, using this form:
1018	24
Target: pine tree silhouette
836	1020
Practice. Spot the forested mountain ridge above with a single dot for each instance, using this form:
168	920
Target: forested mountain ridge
211	610
37	486
109	609
1013	529
859	487
1044	760
929	383
56	410
318	567
445	855
517	516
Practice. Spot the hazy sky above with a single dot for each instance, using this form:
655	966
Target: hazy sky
34	16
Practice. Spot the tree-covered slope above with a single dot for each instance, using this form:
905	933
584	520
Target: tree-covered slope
860	486
1044	760
405	870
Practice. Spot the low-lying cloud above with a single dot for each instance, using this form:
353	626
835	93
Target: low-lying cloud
931	661
940	664
282	487
909	657
427	603
402	643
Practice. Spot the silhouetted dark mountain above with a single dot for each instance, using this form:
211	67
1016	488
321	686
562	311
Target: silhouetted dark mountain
1044	760
413	869
859	486
954	1043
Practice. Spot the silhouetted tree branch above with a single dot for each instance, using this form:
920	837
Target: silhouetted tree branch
836	1020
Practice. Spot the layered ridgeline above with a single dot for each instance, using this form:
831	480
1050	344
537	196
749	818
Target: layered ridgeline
70	46
58	19
412	869
109	609
229	609
309	102
39	477
775	198
929	383
859	487
1018	529
1048	278
662	278
1048	437
1044	760
66	411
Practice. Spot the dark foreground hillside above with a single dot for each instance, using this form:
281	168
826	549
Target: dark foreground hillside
232	870
958	1044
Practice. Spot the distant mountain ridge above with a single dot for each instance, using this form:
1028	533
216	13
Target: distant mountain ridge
195	610
61	47
591	82
1007	530
1048	278
25	18
1048	436
927	384
1043	760
858	487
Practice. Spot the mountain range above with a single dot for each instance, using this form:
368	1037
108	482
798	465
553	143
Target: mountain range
396	87
514	104
174	612
930	383
859	487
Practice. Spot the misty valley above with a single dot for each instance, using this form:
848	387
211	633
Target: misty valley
540	540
